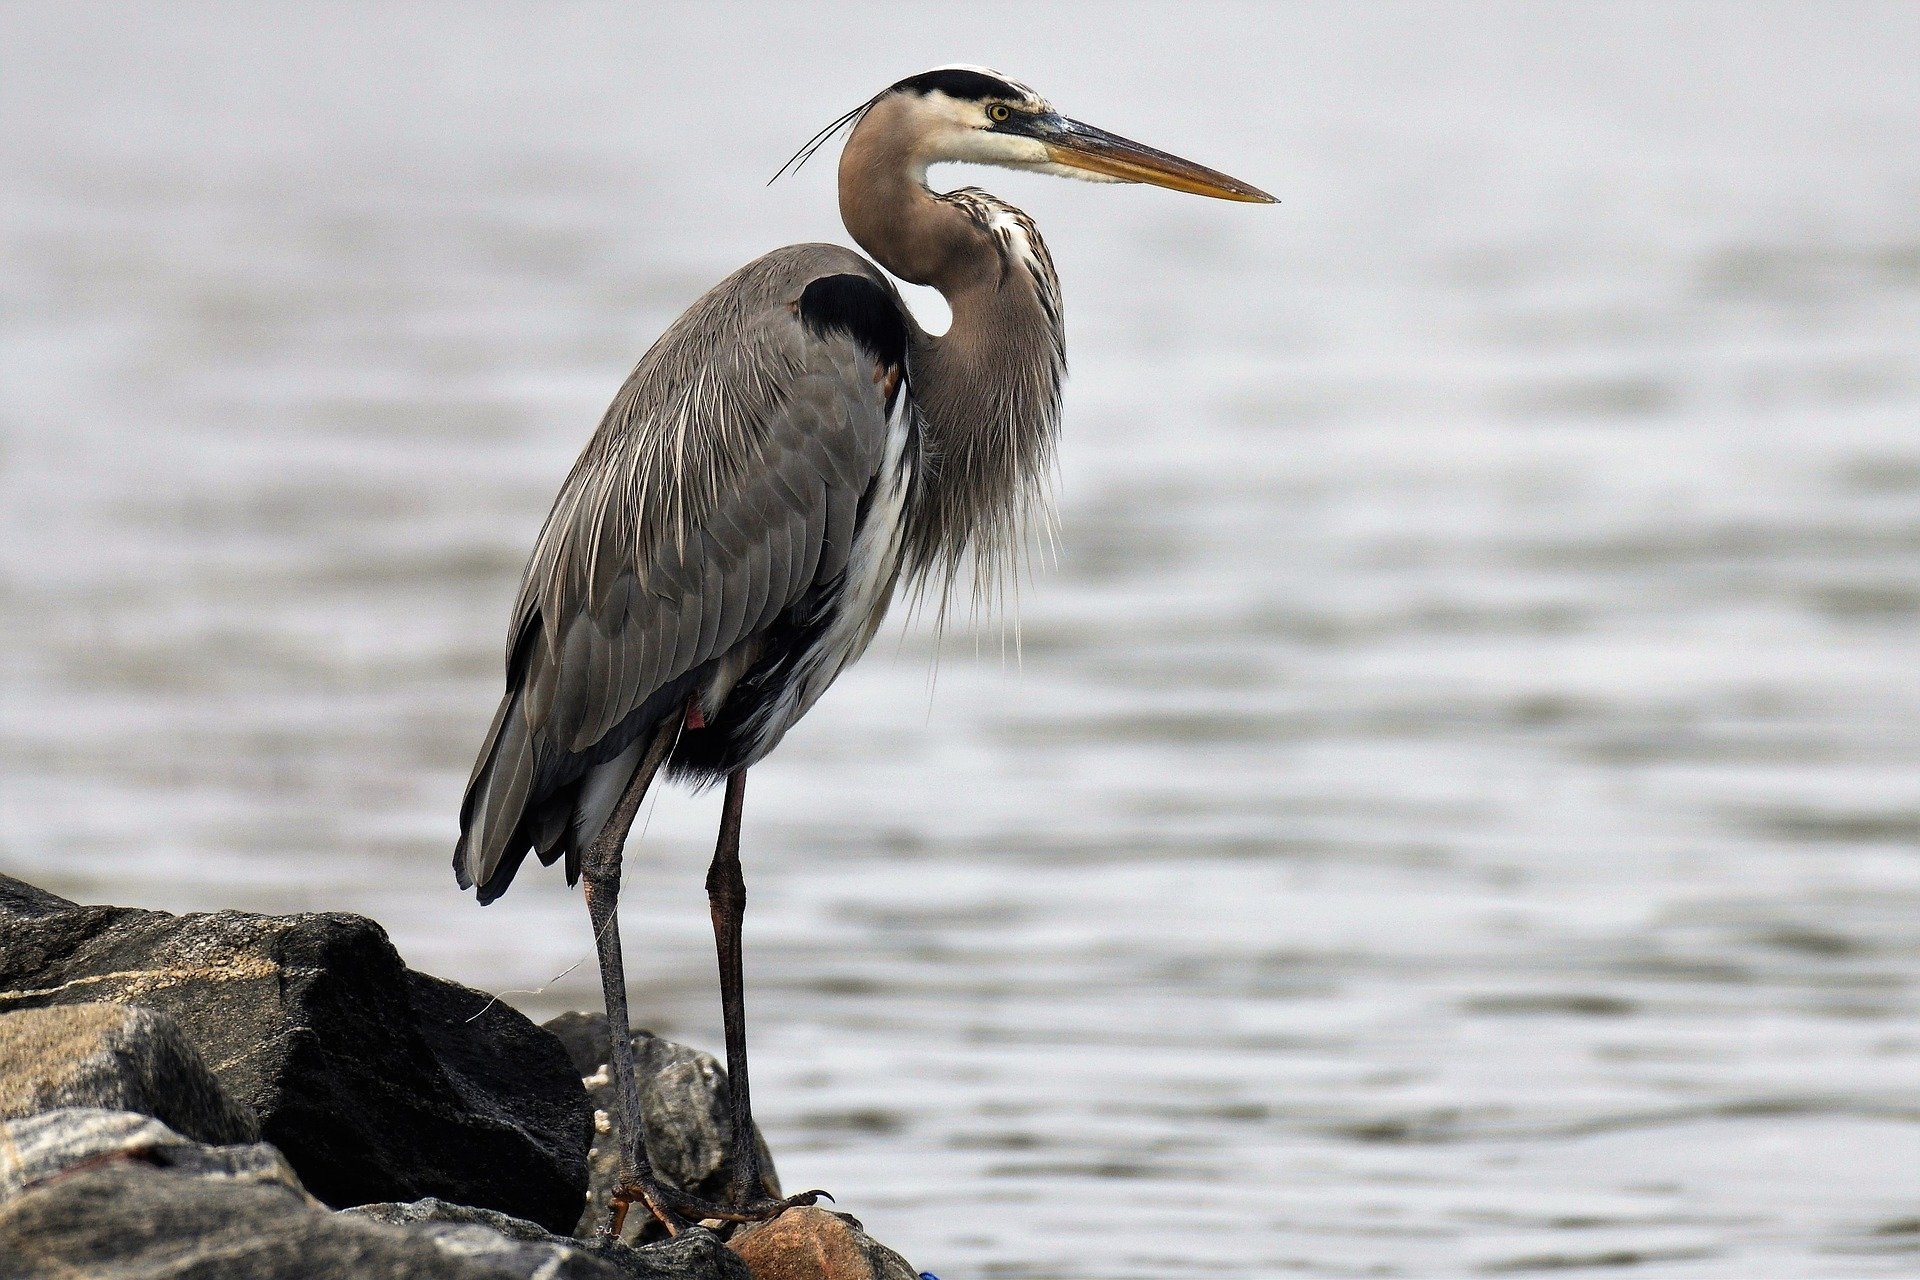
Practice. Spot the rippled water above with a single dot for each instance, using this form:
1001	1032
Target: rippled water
1456	808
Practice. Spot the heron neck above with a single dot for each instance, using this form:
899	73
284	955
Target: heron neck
988	389
890	213
989	386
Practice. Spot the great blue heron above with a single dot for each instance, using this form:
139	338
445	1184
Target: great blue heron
787	452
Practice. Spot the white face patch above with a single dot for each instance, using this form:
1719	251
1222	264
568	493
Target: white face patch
959	130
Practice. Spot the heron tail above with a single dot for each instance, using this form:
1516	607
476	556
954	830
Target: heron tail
493	835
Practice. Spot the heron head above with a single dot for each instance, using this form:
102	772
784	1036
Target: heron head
971	115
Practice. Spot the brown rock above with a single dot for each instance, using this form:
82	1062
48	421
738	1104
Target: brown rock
118	1058
815	1244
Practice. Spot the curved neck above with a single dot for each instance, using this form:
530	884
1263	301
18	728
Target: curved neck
988	389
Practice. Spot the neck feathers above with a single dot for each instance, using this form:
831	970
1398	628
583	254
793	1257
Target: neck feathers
988	389
989	394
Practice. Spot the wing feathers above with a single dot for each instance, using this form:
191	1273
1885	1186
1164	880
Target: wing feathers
723	483
713	597
494	812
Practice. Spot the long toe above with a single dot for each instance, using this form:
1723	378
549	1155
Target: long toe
760	1209
676	1210
663	1202
766	1207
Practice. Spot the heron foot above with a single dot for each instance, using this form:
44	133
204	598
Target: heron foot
676	1210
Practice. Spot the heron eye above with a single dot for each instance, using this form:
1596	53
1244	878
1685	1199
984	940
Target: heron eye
998	113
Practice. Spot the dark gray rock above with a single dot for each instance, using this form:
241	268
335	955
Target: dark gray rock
114	1196
584	1037
524	1249
378	1083
128	1221
18	898
684	1105
116	1057
45	1147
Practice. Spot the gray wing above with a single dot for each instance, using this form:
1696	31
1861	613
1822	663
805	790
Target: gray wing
724	481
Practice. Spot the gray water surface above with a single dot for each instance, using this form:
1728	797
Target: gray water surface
1454	807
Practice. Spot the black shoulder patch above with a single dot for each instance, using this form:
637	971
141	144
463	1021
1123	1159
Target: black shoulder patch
860	308
958	83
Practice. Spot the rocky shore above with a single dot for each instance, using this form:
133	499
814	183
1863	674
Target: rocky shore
234	1095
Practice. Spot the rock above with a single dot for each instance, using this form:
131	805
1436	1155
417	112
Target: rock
815	1244
378	1083
116	1196
526	1250
117	1057
18	898
127	1221
684	1105
47	1147
120	1058
584	1037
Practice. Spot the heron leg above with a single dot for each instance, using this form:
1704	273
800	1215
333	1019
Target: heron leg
600	877
727	902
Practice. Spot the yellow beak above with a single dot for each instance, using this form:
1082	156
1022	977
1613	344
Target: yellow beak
1081	146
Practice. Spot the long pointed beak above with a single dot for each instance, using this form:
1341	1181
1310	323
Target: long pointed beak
1081	146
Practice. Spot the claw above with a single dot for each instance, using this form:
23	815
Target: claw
676	1210
662	1202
